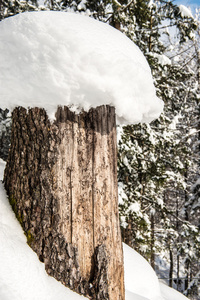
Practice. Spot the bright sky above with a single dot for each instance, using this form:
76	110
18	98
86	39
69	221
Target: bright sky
192	3
188	2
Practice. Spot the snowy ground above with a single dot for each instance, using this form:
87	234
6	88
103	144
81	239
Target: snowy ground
22	275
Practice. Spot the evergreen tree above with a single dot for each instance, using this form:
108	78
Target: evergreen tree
173	157
10	8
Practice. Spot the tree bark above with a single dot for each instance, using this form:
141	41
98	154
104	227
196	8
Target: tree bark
171	268
61	179
152	243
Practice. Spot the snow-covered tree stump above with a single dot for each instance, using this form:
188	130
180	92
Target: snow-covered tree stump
61	179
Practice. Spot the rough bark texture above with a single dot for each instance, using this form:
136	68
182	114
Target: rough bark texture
61	179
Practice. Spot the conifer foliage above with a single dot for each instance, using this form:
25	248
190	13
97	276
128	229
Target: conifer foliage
157	162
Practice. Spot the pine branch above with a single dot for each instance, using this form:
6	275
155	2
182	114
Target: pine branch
193	45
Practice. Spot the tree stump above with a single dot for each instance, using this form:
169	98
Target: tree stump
61	179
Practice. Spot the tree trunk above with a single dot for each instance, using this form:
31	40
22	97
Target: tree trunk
61	179
171	268
152	245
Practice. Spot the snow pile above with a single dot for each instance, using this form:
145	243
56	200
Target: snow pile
142	273
57	58
171	294
185	12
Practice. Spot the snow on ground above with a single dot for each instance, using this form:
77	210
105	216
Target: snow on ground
143	274
22	275
133	296
171	294
53	58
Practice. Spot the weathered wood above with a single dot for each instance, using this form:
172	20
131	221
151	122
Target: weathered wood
61	179
106	225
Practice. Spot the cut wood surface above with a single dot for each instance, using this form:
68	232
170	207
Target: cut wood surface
61	179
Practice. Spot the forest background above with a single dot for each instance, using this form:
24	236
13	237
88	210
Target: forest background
158	163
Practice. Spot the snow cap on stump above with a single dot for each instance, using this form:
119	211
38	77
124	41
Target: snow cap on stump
57	58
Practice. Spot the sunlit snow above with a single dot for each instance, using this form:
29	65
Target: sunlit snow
171	294
53	58
162	59
185	12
